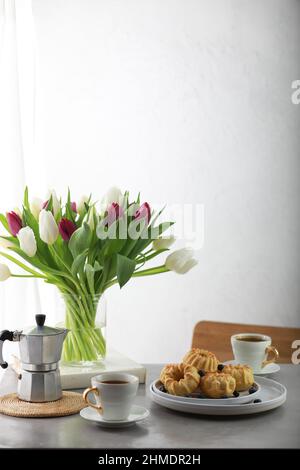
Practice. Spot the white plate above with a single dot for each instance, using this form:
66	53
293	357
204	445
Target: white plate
244	397
272	394
137	414
269	369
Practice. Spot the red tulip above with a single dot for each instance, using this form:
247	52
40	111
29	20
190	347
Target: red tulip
114	212
66	227
143	211
14	222
74	206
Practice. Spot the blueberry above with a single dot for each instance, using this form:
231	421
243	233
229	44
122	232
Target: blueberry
224	396
220	367
236	394
252	390
201	372
162	389
258	400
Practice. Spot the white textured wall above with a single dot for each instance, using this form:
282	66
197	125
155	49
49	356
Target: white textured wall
188	101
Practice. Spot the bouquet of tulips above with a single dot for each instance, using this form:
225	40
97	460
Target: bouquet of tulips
84	251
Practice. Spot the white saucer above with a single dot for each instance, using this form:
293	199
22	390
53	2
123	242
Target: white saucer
269	369
138	413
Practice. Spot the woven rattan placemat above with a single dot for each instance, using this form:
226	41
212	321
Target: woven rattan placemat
70	403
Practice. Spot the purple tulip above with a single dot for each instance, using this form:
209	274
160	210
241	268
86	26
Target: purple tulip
143	211
14	223
45	204
114	212
66	227
74	206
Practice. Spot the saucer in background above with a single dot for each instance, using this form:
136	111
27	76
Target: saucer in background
269	369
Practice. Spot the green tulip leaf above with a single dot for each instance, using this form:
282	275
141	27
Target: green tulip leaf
4	222
80	240
144	258
49	206
64	250
114	246
146	239
90	272
69	213
154	219
26	198
78	263
11	239
84	212
97	266
125	269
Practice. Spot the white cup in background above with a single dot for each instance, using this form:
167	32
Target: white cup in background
253	349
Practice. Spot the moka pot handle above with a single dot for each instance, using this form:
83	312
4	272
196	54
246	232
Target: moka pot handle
5	335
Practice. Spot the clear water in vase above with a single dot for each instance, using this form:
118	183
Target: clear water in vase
85	318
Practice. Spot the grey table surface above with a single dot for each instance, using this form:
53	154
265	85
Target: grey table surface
166	428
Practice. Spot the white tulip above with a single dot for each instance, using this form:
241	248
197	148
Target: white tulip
27	241
36	206
4	272
48	227
80	206
181	261
163	243
55	201
114	194
4	243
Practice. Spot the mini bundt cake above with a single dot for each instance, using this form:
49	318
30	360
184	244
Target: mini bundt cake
217	385
201	359
243	375
164	372
180	379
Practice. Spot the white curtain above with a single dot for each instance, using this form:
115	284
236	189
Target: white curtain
12	155
18	300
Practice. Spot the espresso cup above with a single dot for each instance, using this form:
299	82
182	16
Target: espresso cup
114	393
254	349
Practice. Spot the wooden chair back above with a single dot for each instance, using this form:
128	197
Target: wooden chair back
215	337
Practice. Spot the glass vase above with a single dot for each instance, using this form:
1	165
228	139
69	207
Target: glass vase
85	318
